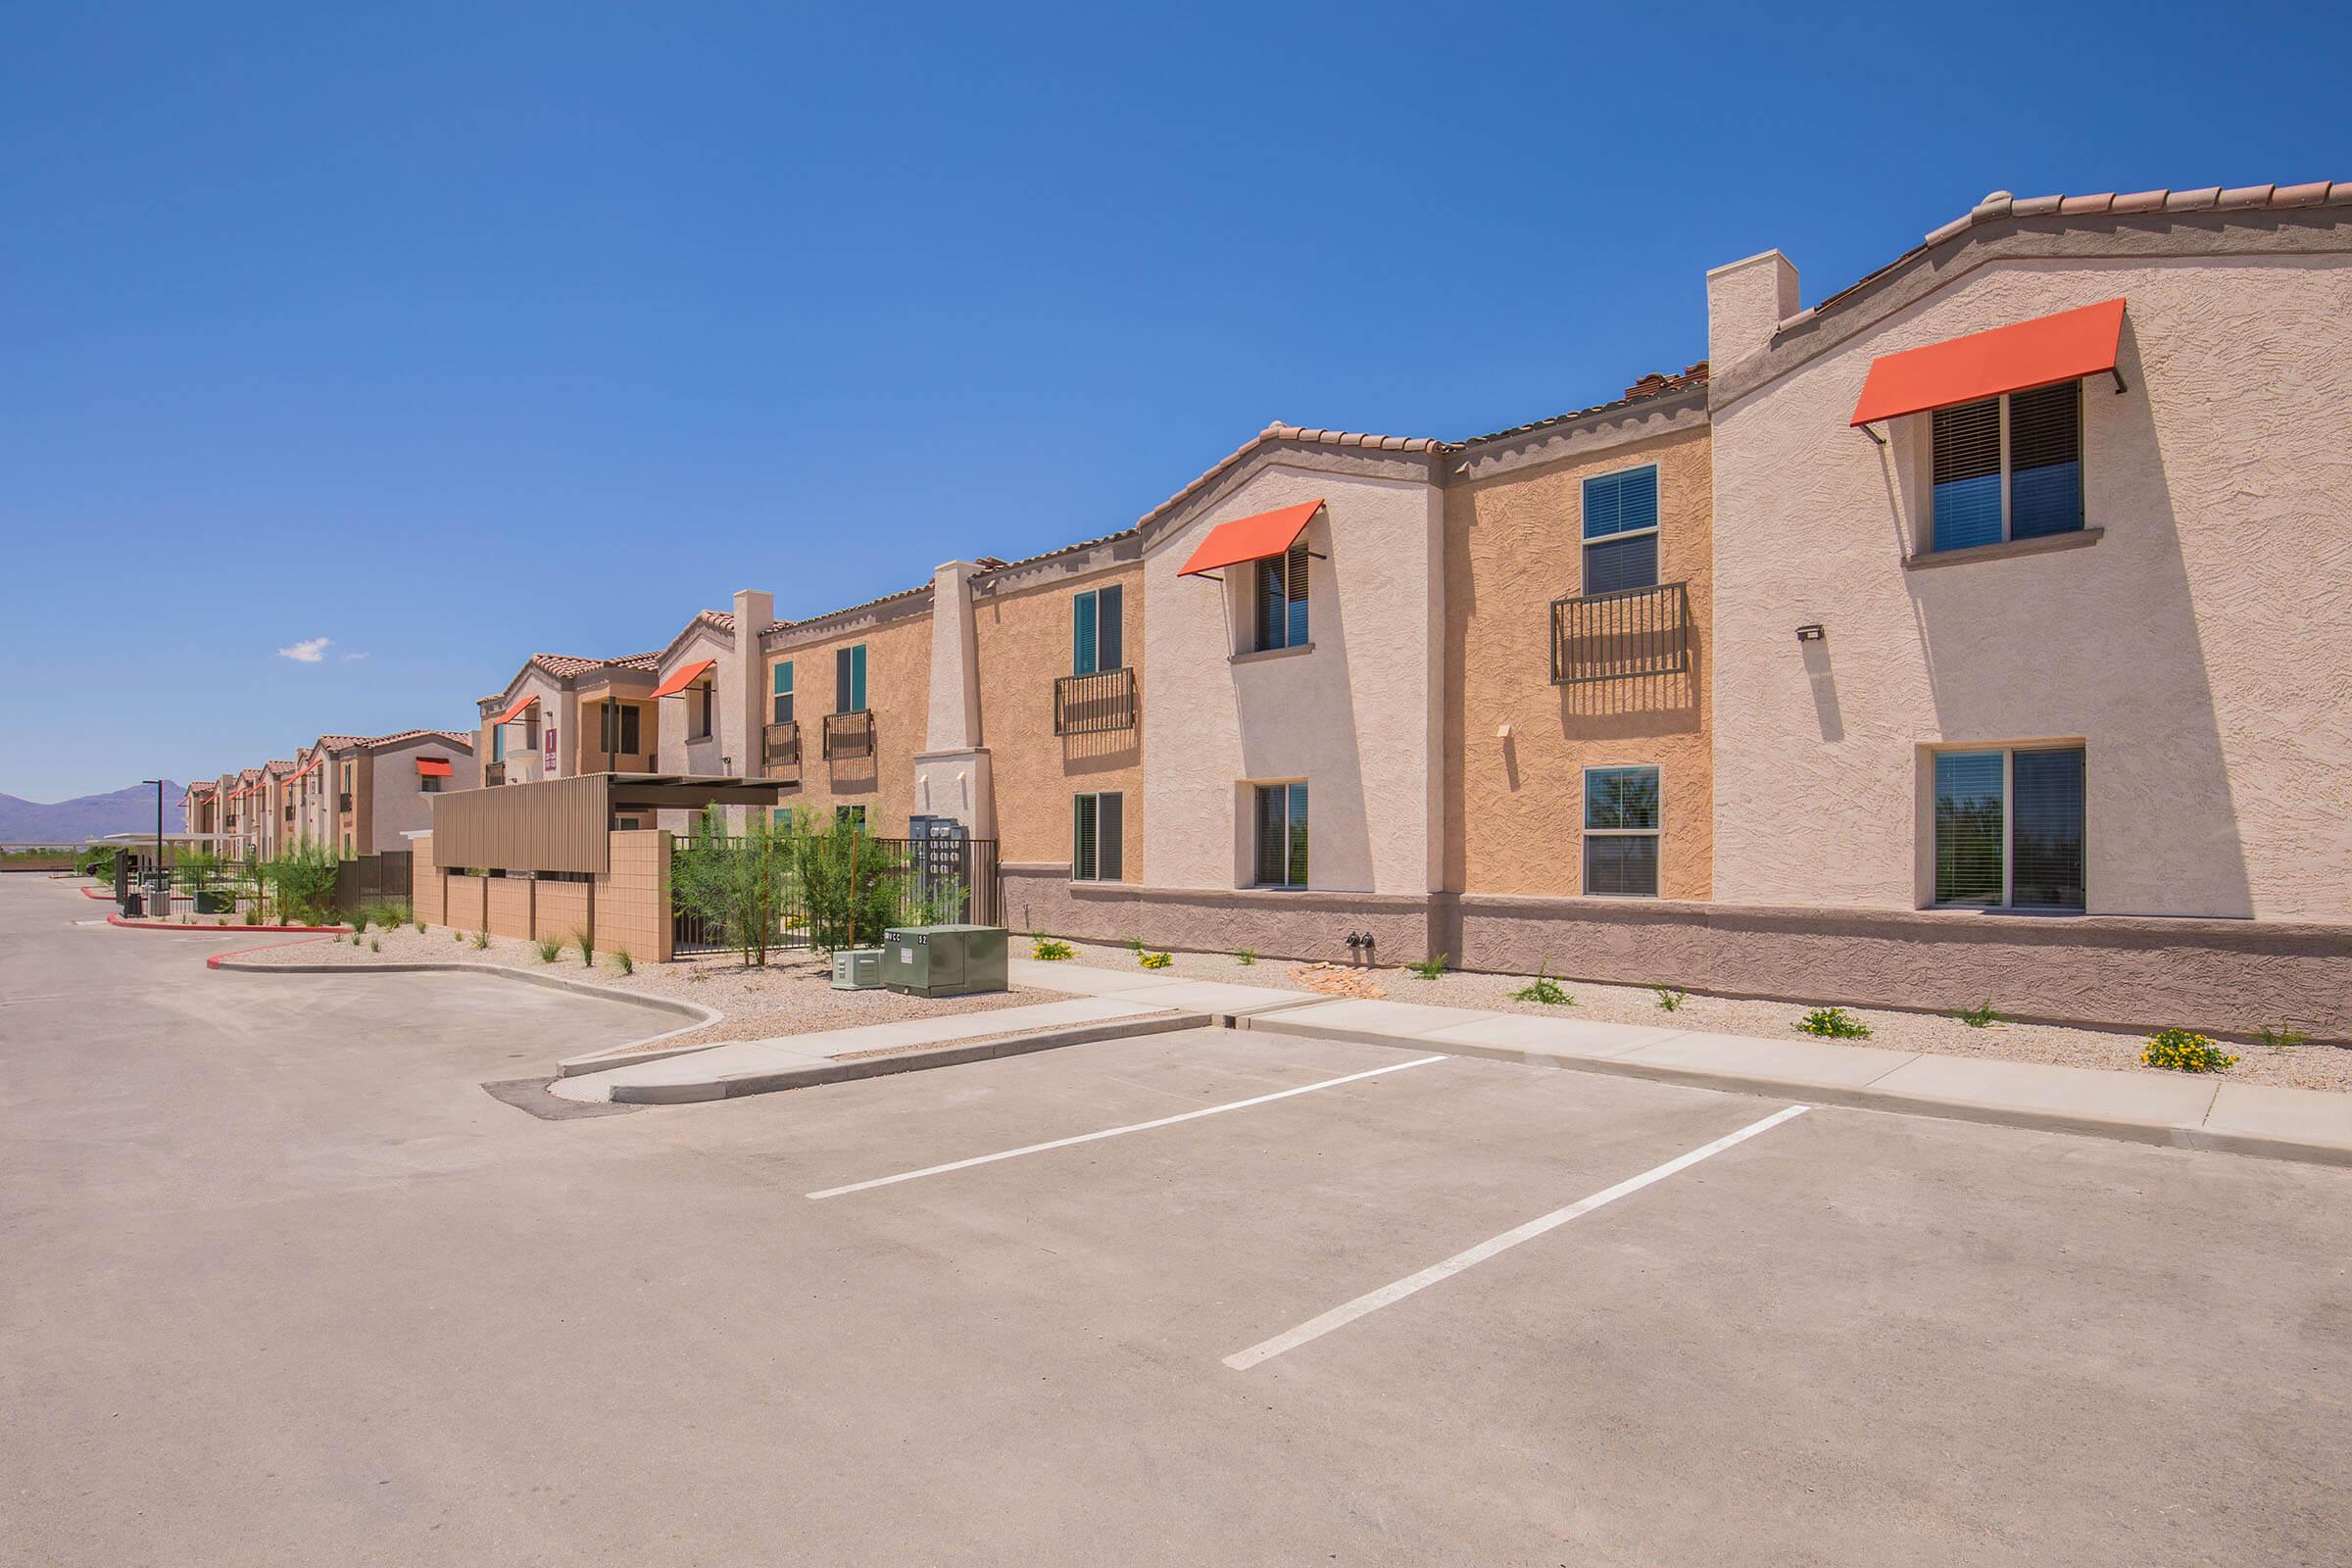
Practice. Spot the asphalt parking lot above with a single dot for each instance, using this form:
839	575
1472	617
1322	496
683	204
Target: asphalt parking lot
285	1286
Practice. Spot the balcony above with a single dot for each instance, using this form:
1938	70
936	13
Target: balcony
780	751
850	737
492	773
1633	633
1095	704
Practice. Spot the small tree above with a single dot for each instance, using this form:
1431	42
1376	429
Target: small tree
300	883
740	882
851	885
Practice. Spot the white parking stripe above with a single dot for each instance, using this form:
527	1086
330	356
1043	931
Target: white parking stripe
1115	1132
1372	1302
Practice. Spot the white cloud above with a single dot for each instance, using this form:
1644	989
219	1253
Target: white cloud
309	650
355	656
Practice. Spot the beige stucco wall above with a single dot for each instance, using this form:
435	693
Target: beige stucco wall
898	682
678	754
2198	649
1516	805
628	903
1356	715
1024	644
397	804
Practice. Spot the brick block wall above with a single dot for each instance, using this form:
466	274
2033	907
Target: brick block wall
632	897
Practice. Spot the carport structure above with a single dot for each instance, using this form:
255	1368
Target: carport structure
568	856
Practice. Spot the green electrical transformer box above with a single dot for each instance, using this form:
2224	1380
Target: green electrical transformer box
943	960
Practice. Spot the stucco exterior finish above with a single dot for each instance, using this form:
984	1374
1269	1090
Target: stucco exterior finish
1024	637
2196	649
897	682
1513	544
1356	713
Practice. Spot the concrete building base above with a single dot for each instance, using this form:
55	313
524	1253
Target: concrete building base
2226	977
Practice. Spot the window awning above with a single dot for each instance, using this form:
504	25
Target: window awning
2065	347
433	767
508	716
686	676
1269	534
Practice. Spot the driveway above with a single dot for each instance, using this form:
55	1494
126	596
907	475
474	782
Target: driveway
285	1285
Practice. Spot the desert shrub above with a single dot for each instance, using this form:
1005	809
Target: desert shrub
579	940
1834	1023
1051	950
1133	945
740	882
2179	1050
547	948
1156	961
1984	1017
482	940
1244	956
1430	968
622	961
1544	989
2283	1038
1669	998
374	946
299	884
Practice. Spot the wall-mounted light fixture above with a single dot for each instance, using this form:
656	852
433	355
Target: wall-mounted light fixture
1502	732
1812	632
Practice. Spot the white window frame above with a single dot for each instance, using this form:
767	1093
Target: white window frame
1584	786
1585	541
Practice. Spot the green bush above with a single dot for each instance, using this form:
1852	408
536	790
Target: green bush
1156	961
374	946
1133	944
1051	950
1544	989
1247	957
1834	1022
1669	998
2283	1038
1984	1017
622	961
547	948
1429	968
2179	1050
579	940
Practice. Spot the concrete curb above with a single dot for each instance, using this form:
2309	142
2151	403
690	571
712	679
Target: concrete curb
947	1055
189	926
646	1049
2162	1134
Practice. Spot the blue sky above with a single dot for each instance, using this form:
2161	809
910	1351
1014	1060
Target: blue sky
452	332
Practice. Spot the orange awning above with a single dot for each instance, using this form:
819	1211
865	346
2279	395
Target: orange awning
686	676
2065	347
508	718
1269	534
433	767
305	767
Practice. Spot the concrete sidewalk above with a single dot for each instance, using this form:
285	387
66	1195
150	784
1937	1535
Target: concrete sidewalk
2180	1109
833	1056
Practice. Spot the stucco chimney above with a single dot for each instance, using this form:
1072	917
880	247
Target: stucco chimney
1746	301
955	660
745	697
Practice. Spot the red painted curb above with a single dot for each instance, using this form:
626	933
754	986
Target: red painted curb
178	925
214	963
96	892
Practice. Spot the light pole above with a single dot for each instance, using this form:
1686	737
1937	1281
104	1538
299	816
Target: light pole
160	884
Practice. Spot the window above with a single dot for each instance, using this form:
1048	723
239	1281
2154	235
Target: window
1097	837
781	819
1621	531
430	784
782	711
1621	832
1282	835
854	816
622	728
849	679
1098	639
2009	828
1282	599
2008	468
498	743
698	712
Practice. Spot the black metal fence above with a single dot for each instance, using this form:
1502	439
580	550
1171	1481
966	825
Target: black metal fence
1092	704
1635	631
892	882
368	877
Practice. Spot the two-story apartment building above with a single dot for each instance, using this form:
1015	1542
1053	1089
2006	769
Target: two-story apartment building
560	715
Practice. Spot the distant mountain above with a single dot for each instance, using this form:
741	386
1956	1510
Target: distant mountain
130	810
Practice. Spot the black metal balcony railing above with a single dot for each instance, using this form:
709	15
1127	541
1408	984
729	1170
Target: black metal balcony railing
1095	703
849	736
1635	631
493	774
780	750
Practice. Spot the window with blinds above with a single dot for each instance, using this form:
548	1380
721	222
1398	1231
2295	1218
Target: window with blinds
2009	828
1097	837
2007	468
1621	530
782	709
1098	637
1621	832
1282	599
1280	858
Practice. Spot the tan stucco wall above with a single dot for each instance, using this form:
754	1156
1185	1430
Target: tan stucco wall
897	682
1355	715
1024	644
2198	649
1515	806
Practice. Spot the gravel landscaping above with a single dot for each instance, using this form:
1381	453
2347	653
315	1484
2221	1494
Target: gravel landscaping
793	996
2297	1067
